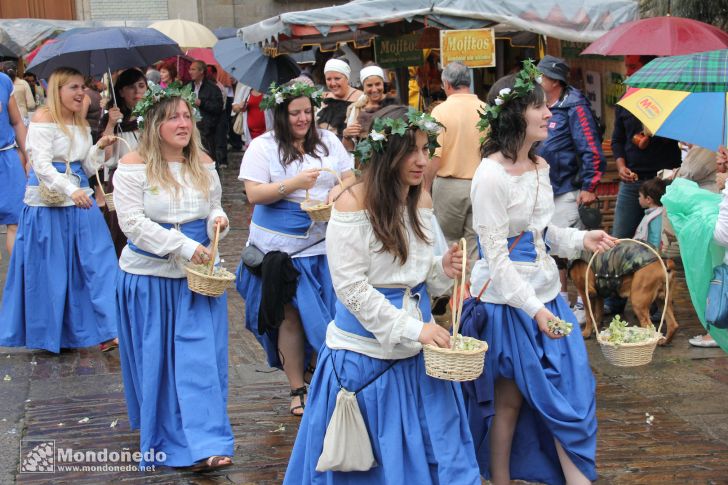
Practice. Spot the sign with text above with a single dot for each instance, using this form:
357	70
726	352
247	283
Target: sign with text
399	51
474	48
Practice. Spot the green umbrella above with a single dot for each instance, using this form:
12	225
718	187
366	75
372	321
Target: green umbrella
698	73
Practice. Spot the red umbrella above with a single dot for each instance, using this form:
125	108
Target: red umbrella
31	55
659	36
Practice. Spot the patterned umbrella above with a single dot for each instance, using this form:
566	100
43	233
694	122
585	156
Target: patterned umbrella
697	118
698	73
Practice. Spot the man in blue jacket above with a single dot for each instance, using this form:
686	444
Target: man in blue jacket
573	150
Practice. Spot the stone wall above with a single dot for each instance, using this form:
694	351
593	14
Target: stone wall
239	13
127	10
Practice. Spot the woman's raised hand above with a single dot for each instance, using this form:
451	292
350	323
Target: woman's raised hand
452	261
306	179
353	130
201	256
434	334
106	141
222	222
598	241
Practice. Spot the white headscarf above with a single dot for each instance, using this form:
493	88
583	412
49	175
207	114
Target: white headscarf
371	71
337	65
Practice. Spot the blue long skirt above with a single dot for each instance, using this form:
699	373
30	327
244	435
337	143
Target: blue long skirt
417	424
556	382
173	351
315	301
61	283
12	187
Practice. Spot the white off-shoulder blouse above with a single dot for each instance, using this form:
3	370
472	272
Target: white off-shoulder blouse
505	205
47	143
141	207
357	267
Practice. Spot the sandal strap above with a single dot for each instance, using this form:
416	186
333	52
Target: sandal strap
300	392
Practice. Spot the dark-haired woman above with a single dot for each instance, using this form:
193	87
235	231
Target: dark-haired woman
379	244
129	90
277	169
532	413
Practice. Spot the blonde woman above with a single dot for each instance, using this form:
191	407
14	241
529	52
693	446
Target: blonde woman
173	343
59	292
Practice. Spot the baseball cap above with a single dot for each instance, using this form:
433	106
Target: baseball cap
554	68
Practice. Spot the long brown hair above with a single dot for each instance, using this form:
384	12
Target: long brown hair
150	150
383	188
312	144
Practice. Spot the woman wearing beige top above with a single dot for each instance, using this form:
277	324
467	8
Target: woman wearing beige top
23	95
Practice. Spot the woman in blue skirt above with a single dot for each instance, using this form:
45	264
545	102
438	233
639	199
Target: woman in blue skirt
279	169
60	287
173	343
412	427
532	413
12	147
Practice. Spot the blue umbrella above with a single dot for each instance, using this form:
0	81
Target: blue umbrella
94	51
250	66
225	32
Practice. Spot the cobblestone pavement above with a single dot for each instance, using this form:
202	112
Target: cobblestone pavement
49	397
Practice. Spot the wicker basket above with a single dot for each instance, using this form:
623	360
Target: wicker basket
206	283
52	197
317	210
451	364
110	196
629	354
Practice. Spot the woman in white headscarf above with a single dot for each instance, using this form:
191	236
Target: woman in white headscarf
361	113
338	98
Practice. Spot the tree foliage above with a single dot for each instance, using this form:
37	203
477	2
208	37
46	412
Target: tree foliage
713	12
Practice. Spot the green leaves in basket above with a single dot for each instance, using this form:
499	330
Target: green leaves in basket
467	343
619	332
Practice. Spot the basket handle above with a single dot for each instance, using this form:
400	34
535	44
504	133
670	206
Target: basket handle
334	172
667	284
214	249
98	178
458	294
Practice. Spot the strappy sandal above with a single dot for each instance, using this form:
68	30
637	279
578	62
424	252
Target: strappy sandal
308	373
211	463
299	393
109	345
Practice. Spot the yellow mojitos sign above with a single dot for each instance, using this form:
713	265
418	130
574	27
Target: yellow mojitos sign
474	48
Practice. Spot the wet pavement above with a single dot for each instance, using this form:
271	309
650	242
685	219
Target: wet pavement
76	399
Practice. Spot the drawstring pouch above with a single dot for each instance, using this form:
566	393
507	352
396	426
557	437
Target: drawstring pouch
347	447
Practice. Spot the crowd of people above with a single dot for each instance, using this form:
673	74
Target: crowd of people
342	306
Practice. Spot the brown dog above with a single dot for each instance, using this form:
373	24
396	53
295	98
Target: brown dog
643	287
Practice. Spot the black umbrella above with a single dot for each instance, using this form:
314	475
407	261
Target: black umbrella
250	66
94	51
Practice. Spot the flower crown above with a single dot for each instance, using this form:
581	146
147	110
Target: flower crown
278	94
156	93
526	80
383	128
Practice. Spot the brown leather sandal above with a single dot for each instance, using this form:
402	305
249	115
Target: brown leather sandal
211	463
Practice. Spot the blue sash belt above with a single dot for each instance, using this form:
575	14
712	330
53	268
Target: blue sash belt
346	321
285	217
196	230
523	252
61	167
